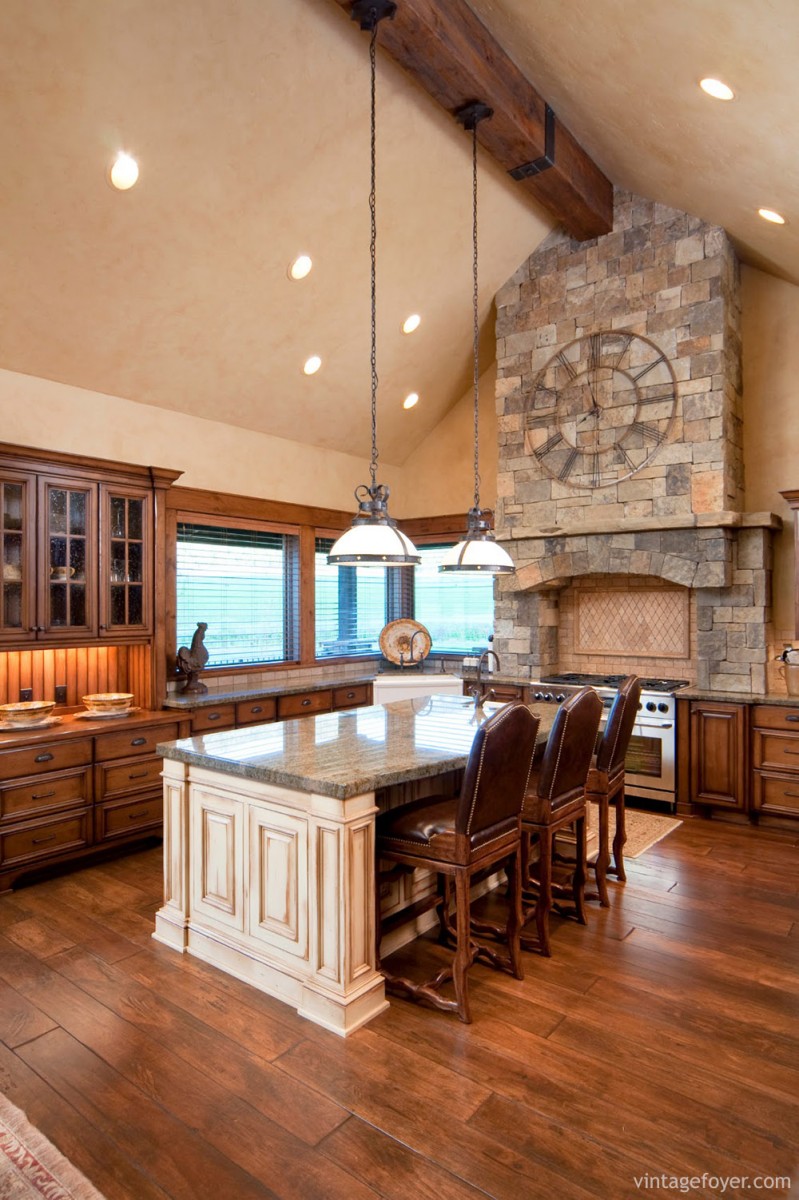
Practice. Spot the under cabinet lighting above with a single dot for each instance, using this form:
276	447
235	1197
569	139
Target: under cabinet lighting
300	267
124	172
411	323
312	364
768	214
716	89
410	400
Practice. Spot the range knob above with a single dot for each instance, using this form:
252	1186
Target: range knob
651	706
561	696
663	707
548	696
538	695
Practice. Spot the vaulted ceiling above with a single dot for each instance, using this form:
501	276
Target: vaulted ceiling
250	121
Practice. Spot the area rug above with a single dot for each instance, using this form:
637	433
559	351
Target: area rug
644	829
31	1168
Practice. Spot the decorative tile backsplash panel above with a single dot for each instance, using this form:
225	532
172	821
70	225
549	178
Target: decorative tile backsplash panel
638	624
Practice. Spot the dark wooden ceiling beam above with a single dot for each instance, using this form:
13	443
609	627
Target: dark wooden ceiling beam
449	51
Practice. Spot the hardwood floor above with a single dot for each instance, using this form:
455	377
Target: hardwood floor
661	1039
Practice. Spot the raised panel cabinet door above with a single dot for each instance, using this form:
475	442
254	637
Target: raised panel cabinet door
126	556
17	557
719	760
278	904
216	839
67	586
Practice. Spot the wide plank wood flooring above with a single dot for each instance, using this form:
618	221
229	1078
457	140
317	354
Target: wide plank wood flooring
660	1040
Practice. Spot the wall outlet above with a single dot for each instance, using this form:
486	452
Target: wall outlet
25	694
61	693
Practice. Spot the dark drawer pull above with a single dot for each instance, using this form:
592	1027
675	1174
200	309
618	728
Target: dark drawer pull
139	775
305	702
256	708
41	841
795	753
42	795
350	695
791	795
145	812
793	717
43	757
138	741
214	716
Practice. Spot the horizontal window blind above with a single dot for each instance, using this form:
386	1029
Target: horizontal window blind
350	606
244	584
457	608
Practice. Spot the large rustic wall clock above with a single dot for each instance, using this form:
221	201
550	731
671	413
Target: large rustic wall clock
601	408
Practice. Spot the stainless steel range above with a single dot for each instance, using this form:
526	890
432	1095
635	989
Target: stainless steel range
652	756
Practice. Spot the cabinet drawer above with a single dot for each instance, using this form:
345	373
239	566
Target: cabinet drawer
219	716
132	775
45	756
775	794
48	793
120	820
779	751
133	741
48	837
503	691
349	697
772	716
249	712
304	703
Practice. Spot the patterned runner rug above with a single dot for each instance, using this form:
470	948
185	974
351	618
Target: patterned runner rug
31	1168
644	829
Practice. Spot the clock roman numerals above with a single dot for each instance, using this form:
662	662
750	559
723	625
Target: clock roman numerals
567	468
658	398
648	431
549	445
593	470
614	362
639	374
594	351
541	420
568	367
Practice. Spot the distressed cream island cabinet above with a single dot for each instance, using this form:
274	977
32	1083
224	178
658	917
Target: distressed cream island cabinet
269	868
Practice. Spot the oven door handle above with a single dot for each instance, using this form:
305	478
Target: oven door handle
640	727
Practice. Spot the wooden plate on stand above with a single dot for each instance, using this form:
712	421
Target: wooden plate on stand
395	641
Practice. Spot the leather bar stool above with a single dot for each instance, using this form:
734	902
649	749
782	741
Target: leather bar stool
555	800
459	837
605	783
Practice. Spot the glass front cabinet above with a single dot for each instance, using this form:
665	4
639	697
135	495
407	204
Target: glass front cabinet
76	559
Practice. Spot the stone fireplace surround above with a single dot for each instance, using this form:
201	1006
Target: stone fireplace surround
674	529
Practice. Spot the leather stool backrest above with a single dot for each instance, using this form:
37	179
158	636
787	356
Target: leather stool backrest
498	770
618	731
570	747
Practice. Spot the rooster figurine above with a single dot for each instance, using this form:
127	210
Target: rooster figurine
191	660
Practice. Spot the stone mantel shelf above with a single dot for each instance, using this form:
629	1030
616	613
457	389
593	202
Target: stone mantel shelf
715	520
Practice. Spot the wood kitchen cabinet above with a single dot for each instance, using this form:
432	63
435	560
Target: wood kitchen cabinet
775	761
501	692
77	549
258	710
719	757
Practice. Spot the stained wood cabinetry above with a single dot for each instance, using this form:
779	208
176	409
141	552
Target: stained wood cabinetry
719	760
66	794
775	761
501	692
229	715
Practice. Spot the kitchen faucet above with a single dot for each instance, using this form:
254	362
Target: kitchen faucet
480	662
477	690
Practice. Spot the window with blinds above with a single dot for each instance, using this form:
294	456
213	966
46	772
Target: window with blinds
456	608
245	584
351	606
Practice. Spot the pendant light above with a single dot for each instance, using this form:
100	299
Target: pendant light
374	539
478	551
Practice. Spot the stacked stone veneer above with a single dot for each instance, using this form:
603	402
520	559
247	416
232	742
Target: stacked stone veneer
673	279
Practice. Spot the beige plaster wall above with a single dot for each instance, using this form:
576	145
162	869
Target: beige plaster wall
438	478
771	418
53	416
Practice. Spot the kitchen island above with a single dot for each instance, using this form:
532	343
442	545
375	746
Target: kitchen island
269	868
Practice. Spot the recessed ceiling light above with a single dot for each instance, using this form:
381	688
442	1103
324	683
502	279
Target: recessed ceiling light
300	267
411	399
312	364
716	89
411	323
768	214
124	171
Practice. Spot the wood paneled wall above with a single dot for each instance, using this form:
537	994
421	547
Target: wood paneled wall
83	669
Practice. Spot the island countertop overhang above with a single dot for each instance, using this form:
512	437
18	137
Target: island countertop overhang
349	753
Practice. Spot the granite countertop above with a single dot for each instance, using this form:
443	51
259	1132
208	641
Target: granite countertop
345	754
76	724
699	693
310	682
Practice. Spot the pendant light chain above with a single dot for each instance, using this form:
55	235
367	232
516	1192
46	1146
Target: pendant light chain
373	248
476	329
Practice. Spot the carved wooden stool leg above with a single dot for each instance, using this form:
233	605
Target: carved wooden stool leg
514	925
578	879
619	838
603	856
543	899
463	953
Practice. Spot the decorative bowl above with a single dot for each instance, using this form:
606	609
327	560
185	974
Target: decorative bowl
108	702
62	572
27	712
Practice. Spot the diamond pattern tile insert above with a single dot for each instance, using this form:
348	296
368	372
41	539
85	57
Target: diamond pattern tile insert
639	623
